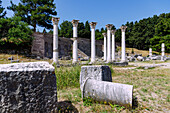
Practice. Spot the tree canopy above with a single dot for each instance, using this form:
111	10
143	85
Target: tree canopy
149	32
2	12
35	12
13	30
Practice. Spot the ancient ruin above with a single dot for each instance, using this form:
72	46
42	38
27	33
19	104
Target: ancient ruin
93	46
55	39
75	51
27	87
96	83
109	26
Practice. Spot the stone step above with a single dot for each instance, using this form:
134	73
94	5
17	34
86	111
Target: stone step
81	53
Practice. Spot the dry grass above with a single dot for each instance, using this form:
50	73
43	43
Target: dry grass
4	58
143	52
151	88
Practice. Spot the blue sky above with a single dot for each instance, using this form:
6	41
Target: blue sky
104	12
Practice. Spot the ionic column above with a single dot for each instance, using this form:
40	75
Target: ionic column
123	29
113	45
109	26
150	52
55	39
163	51
93	25
105	46
75	52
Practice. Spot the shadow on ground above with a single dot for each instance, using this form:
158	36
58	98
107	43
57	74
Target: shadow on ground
134	102
66	107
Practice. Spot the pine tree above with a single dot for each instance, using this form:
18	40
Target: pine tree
35	12
2	12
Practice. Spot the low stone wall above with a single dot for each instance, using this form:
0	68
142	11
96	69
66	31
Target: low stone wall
28	88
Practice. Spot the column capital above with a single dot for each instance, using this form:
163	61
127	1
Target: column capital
113	32
55	20
104	34
75	23
109	26
93	25
123	28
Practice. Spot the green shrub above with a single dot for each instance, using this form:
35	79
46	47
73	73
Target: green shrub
67	77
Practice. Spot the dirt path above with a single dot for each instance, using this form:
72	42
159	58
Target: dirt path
141	64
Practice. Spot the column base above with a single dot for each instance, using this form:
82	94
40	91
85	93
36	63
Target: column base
109	61
120	63
57	64
75	62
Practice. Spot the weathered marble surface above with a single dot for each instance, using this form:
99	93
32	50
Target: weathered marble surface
27	88
97	72
104	91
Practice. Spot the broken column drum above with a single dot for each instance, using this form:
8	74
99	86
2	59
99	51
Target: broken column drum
75	51
163	51
55	39
105	46
113	45
123	58
115	93
109	26
28	88
150	52
97	72
93	49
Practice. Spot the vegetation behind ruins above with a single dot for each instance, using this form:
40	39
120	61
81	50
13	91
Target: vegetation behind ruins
142	34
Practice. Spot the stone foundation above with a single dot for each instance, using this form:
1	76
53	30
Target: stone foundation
28	88
120	63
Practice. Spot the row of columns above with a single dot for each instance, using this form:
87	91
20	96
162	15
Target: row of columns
107	42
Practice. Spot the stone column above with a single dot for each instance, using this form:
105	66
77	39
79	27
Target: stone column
105	46
93	25
123	29
75	52
109	26
55	40
113	45
163	51
150	52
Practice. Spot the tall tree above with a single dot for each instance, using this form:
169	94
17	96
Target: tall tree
35	12
2	12
66	29
87	30
81	29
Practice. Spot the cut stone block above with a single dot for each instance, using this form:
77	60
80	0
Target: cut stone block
28	88
97	72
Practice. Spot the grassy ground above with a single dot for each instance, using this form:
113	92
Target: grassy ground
151	90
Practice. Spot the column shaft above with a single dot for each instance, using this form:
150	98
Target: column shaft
123	48
55	39
163	51
75	51
93	49
123	29
113	47
105	48
75	47
150	52
108	46
93	45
